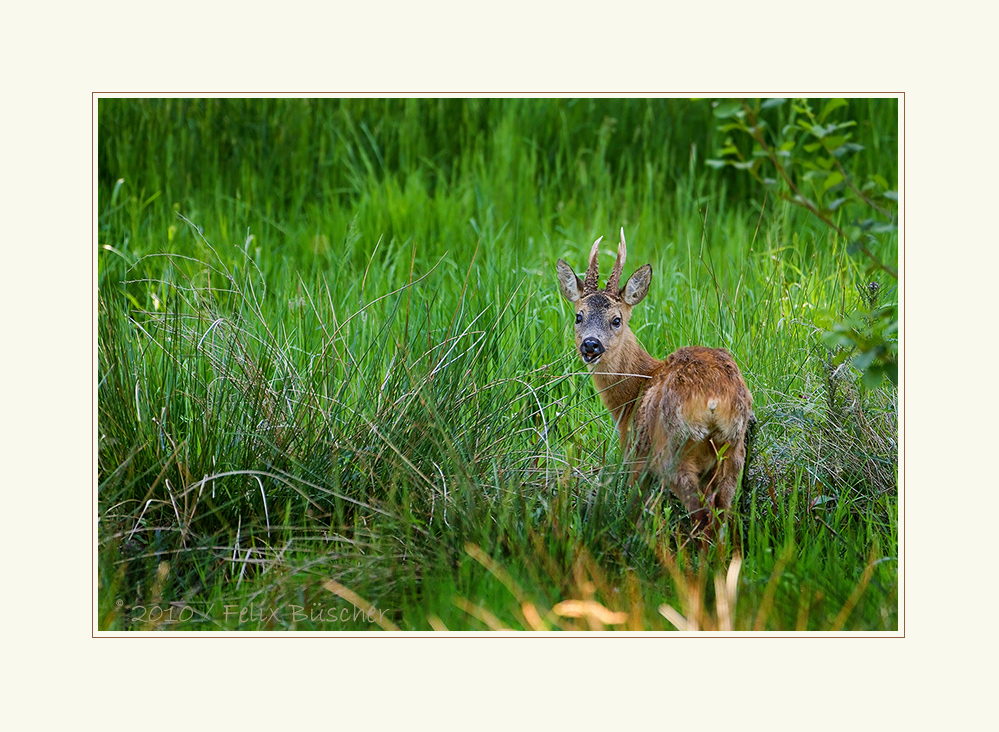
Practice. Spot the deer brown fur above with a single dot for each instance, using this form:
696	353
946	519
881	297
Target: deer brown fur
683	419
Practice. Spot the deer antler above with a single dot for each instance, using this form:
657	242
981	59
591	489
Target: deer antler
590	283
615	277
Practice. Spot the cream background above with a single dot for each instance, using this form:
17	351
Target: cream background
56	56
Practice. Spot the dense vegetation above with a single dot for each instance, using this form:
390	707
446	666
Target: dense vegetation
336	385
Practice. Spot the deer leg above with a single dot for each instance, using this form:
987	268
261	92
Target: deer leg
719	481
729	476
725	476
687	488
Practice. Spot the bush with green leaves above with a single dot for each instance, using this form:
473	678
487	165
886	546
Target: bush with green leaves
803	156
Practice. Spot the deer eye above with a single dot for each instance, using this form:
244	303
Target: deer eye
616	322
579	318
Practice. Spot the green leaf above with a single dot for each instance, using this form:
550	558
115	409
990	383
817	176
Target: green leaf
876	373
812	146
771	103
864	359
893	195
834	179
830	106
819	131
840	338
716	164
847	147
724	110
834	141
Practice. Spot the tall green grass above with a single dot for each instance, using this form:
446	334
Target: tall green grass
335	372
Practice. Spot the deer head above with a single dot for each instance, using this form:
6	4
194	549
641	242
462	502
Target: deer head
602	315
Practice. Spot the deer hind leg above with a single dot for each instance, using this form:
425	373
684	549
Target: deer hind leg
678	467
716	488
686	485
725	478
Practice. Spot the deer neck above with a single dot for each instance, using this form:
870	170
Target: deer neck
621	377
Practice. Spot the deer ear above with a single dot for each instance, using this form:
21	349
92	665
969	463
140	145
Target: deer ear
637	286
568	281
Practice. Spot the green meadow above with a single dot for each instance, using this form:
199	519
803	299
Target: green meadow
337	387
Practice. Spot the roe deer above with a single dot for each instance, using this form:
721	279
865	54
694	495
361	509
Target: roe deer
683	419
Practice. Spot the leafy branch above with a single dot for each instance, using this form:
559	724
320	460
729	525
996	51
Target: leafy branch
802	162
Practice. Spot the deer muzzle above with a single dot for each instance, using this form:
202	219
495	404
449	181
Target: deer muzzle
591	349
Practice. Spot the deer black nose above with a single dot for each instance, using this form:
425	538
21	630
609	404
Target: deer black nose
591	347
